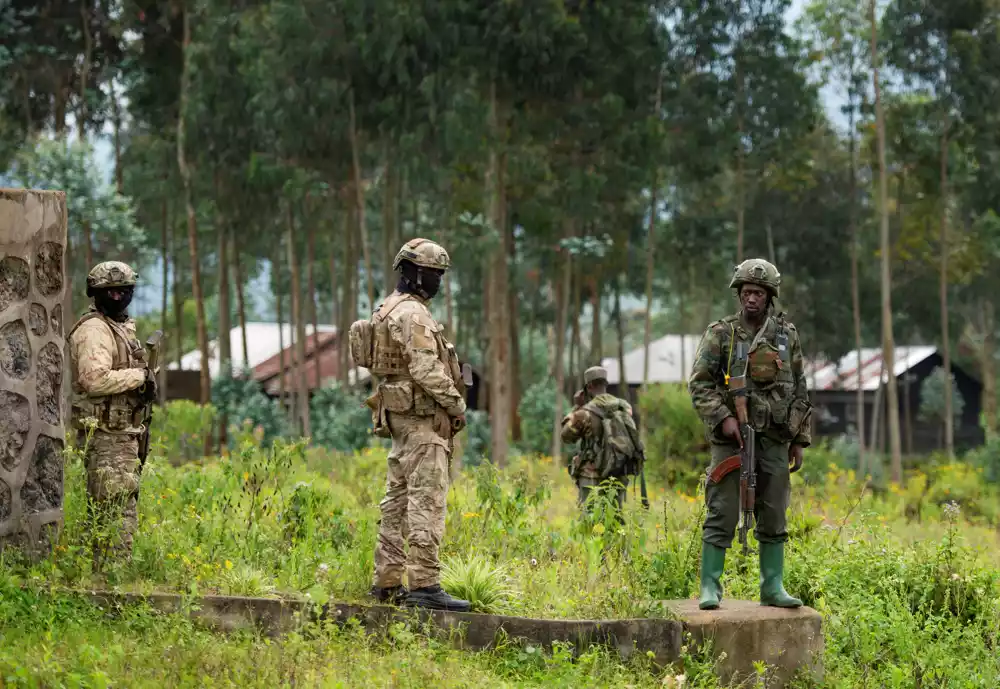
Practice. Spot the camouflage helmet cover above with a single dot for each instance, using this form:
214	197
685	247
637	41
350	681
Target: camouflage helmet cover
111	274
757	271
423	253
594	373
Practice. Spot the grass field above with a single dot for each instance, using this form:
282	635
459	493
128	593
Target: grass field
907	602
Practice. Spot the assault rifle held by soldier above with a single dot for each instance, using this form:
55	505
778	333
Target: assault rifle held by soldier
153	346
748	443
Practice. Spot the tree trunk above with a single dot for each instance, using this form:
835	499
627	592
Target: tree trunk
279	313
299	324
192	219
987	363
515	340
359	200
624	390
165	258
888	346
225	308
740	155
88	51
596	345
563	288
949	417
116	121
311	286
178	304
389	247
497	278
855	285
574	346
240	301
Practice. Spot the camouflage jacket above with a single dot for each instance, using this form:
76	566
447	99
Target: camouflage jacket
580	425
107	369
779	405
414	330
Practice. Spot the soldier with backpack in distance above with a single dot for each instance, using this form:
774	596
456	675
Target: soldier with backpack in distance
609	442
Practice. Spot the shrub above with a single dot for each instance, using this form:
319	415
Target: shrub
179	429
477	437
241	400
537	410
340	420
675	435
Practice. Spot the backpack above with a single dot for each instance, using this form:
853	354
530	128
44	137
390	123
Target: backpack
619	451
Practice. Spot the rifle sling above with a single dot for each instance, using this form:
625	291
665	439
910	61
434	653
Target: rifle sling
724	468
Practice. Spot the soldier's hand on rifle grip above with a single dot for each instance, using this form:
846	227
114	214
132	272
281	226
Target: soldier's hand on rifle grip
794	458
731	428
148	389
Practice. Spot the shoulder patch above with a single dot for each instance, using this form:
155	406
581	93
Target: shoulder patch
422	331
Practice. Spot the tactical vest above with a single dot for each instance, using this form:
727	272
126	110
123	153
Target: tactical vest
388	357
115	413
769	375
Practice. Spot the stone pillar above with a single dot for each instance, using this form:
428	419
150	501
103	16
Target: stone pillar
33	413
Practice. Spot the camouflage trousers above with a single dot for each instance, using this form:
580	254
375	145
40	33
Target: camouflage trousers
413	509
112	463
771	498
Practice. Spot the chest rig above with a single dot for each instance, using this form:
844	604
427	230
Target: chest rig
765	361
120	412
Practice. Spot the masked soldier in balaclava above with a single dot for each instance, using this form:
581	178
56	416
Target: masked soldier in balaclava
111	385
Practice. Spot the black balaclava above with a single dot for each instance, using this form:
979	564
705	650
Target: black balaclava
413	279
113	308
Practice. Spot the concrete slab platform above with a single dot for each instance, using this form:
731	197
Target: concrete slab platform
790	641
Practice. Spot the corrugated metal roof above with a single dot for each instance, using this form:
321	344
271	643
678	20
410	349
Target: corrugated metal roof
670	362
843	375
262	344
670	359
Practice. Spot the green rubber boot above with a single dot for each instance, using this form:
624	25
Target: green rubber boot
772	565
713	561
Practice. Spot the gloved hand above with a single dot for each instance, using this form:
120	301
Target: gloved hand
149	388
458	423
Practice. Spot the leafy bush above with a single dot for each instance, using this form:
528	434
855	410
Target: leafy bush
179	429
241	400
476	437
339	418
675	435
537	411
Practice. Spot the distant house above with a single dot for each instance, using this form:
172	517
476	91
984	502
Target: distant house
322	365
834	387
264	340
670	359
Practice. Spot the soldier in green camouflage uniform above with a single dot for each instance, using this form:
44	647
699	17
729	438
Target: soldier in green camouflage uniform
779	411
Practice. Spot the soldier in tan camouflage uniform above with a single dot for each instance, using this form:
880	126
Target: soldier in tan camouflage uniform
420	403
111	382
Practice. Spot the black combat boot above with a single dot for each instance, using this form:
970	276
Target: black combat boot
435	598
394	595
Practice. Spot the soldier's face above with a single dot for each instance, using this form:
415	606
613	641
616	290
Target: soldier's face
753	299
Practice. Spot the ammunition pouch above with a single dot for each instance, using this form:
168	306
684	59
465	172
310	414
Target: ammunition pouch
360	337
798	415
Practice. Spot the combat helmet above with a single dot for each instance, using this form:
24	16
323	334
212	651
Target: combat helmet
757	271
424	253
111	274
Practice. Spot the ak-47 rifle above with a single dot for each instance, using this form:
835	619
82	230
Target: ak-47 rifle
748	457
153	346
467	380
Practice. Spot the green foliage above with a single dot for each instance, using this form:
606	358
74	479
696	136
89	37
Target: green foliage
90	201
537	410
243	402
674	435
476	440
478	581
180	428
932	398
339	419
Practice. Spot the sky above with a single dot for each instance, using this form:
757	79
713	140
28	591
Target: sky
148	295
